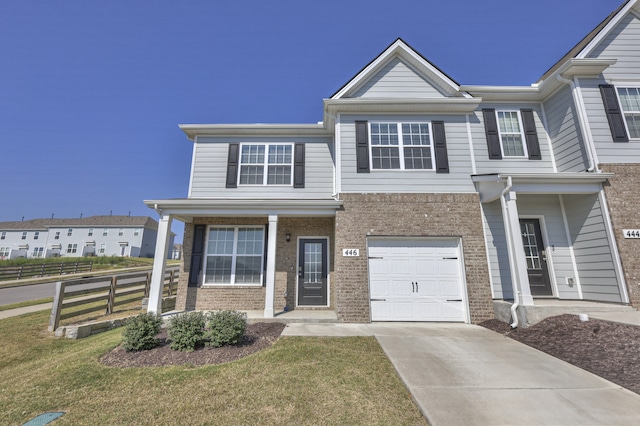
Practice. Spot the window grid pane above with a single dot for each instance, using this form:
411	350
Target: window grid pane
385	158
630	102
530	246
510	134
234	255
384	134
313	262
274	160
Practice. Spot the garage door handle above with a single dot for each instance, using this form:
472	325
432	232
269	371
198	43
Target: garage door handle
373	257
454	300
450	258
378	300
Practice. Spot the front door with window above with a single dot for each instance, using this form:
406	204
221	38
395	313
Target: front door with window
537	270
312	272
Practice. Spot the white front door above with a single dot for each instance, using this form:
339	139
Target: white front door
416	279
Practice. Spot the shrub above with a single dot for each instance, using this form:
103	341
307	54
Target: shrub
226	328
140	332
186	331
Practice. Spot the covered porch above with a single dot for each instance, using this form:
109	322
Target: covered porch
271	255
549	237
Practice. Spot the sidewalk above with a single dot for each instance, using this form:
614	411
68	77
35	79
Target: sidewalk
25	310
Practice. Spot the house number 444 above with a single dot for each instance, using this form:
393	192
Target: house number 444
351	252
631	233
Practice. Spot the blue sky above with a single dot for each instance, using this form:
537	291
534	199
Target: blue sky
92	92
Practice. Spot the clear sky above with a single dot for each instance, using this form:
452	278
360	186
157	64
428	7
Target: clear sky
92	92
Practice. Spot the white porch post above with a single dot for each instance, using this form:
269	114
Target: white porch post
271	267
159	264
519	262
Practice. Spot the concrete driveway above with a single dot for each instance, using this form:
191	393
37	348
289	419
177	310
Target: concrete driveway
462	374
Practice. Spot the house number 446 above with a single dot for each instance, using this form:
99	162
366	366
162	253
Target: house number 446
351	252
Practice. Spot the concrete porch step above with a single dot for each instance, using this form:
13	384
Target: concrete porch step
295	316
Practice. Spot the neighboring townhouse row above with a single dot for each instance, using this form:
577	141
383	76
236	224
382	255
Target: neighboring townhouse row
130	236
420	199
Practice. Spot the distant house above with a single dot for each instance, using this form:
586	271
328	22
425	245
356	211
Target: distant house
420	199
127	236
177	252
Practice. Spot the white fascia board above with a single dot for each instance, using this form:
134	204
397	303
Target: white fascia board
574	67
400	49
505	93
606	30
410	105
193	130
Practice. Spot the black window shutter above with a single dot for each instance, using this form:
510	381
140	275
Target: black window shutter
362	146
197	250
530	134
614	114
232	165
491	130
264	261
440	144
298	165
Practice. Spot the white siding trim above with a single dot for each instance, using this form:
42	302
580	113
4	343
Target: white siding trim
614	247
546	132
571	252
337	183
471	150
193	164
583	118
486	232
605	31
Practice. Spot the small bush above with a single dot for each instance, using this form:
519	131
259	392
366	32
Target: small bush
226	328
140	332
186	331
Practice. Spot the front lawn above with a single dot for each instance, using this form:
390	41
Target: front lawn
296	381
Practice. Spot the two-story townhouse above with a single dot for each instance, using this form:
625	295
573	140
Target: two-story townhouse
415	199
130	236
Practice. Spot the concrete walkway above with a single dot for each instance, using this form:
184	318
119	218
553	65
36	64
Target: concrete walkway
462	374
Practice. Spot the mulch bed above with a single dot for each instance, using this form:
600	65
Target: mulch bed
257	337
609	350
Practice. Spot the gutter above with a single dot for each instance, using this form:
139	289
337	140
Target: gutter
512	266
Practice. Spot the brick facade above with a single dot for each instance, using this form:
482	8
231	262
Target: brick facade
253	297
622	194
428	215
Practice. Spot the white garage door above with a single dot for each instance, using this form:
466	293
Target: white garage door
416	280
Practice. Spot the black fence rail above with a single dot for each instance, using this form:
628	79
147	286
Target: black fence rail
42	270
104	293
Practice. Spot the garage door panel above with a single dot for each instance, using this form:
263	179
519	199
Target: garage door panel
425	267
400	267
427	289
402	310
380	288
449	288
452	311
381	310
429	310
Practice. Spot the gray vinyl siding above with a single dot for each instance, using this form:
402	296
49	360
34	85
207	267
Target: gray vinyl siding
591	248
509	165
564	132
622	44
499	268
397	80
411	181
210	170
556	244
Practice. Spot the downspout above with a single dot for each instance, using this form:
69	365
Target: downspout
512	266
593	167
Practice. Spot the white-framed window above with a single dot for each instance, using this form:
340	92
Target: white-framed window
120	232
266	164
3	235
103	248
72	248
105	232
69	232
4	252
136	232
57	236
511	134
234	255
24	235
401	146
90	233
37	252
36	235
630	104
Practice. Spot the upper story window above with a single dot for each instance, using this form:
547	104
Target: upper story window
69	232
234	255
630	103
36	235
57	236
511	136
24	235
120	232
72	248
103	248
3	235
105	232
136	232
401	146
269	164
90	233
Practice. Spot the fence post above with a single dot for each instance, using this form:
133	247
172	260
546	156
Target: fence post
20	271
61	266
91	266
56	307
147	285
42	270
112	295
171	282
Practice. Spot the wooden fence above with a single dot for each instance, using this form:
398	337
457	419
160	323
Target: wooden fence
89	292
34	270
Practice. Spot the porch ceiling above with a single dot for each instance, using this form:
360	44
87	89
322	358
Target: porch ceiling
185	209
490	186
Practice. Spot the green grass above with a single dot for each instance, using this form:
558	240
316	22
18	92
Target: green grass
26	303
318	381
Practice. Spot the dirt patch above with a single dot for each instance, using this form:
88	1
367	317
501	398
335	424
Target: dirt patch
257	337
607	349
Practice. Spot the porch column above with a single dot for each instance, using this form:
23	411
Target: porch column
159	264
271	267
518	260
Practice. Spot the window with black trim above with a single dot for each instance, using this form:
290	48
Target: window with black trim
630	103
401	146
234	255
